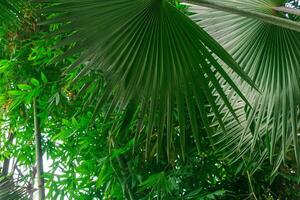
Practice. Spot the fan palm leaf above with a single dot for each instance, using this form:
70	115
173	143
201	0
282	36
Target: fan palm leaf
9	190
10	11
270	56
11	15
149	53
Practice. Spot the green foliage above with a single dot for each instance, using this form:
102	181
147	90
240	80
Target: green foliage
268	54
158	87
138	102
9	190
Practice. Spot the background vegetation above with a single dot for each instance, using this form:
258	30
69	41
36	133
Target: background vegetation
108	130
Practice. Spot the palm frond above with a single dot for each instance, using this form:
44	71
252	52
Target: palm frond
10	11
9	190
150	53
269	55
11	15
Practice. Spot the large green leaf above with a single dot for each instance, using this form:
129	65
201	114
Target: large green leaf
270	56
151	54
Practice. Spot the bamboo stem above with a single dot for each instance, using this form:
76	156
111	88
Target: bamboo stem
38	152
7	160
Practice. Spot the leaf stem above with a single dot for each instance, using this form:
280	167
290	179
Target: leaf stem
278	21
284	9
251	186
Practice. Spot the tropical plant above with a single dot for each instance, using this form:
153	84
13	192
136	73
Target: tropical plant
9	190
164	88
10	11
268	54
159	86
159	99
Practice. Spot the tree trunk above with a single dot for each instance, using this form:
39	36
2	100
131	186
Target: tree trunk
38	152
5	167
7	160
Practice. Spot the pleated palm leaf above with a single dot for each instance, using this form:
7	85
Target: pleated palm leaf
153	58
9	190
11	15
10	11
270	56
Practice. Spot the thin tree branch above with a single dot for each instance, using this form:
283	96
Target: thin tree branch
7	160
38	152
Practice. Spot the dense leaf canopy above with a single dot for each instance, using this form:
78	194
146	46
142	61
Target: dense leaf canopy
149	99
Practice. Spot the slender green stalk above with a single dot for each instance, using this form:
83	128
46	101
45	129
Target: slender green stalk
38	152
288	10
124	172
251	186
278	21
